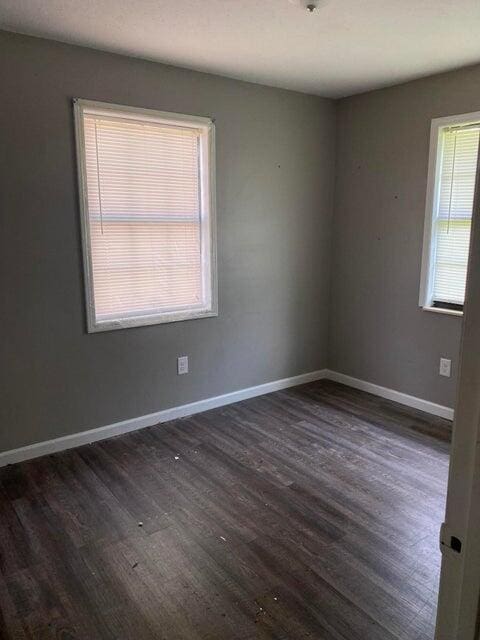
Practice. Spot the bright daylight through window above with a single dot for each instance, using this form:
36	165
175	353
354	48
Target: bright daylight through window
453	164
147	200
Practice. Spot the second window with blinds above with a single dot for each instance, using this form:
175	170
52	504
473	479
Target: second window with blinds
148	219
454	147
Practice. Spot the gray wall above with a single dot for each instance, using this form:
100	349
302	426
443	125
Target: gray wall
377	331
281	313
275	184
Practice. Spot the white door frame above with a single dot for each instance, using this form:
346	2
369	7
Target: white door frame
458	603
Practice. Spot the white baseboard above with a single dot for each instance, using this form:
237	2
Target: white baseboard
101	433
391	394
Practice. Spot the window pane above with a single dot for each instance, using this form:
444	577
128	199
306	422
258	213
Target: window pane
141	168
459	150
457	181
453	239
143	267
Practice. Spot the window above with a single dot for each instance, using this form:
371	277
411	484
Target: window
147	203
451	186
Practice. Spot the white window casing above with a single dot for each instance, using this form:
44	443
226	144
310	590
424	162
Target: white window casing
454	143
147	201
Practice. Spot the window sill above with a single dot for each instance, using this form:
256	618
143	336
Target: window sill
95	326
448	312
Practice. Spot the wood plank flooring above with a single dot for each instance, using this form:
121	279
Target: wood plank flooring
308	513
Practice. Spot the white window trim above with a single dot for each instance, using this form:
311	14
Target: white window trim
209	254
434	167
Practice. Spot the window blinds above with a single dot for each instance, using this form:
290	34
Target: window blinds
143	192
452	223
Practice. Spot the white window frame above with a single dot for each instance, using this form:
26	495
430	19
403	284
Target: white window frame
433	184
208	215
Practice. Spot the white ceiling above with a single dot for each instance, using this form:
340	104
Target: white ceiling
344	47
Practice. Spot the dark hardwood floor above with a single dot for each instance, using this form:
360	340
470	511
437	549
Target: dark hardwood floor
308	513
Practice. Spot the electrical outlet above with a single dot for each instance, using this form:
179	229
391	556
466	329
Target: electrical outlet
445	367
182	365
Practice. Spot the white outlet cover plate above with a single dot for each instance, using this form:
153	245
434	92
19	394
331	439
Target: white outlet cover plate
445	367
182	365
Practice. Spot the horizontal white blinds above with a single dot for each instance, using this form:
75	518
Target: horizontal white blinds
144	201
452	223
